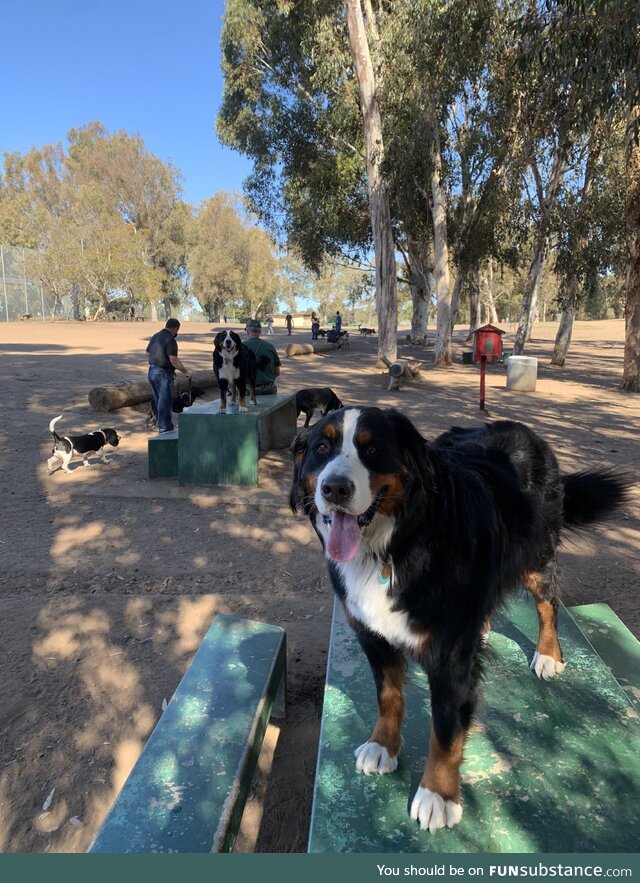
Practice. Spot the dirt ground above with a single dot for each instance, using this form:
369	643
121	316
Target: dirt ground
109	581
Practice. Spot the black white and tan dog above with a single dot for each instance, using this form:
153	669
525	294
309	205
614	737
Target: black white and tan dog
234	365
66	446
423	542
178	403
307	400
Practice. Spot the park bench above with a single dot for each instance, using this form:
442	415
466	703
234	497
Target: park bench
223	449
549	766
188	788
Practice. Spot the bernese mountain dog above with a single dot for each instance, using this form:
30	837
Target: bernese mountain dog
423	542
65	446
234	365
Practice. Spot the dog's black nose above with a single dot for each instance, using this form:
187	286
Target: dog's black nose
337	489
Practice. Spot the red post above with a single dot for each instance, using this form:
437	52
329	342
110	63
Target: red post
483	364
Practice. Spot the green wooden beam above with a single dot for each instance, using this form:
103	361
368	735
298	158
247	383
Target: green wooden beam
187	791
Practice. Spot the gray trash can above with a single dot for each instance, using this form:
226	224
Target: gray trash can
522	373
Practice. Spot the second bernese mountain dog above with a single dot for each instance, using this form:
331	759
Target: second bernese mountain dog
234	366
423	542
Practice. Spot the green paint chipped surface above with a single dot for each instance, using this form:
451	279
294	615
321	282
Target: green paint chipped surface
187	790
549	766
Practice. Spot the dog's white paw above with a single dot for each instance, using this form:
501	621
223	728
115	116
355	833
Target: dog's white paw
374	758
86	463
243	409
546	667
432	811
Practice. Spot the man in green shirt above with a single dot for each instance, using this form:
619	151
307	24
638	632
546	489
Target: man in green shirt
267	358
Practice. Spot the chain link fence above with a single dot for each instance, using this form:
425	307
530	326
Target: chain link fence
21	296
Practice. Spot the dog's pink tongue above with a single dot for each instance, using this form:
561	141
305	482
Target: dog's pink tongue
344	536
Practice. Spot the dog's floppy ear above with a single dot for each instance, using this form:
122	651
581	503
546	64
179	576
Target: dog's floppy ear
413	446
298	449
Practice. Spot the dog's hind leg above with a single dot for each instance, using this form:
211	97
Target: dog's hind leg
51	462
379	754
66	459
309	415
547	661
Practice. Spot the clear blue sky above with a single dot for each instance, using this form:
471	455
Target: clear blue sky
146	67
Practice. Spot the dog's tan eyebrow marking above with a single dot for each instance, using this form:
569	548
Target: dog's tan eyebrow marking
329	431
364	437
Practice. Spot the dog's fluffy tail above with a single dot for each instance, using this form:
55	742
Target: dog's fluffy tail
593	495
53	423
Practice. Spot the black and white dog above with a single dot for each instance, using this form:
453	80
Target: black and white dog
423	542
316	397
178	403
234	365
64	447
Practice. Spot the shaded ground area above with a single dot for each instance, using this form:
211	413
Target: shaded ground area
109	581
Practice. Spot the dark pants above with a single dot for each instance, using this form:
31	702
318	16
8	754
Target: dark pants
161	381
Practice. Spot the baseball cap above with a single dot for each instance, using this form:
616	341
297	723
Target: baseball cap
254	325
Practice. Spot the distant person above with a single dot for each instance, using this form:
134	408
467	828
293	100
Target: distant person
289	322
163	364
267	358
338	321
269	324
132	313
315	326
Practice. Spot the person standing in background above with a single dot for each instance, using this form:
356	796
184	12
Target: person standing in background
315	326
338	321
269	323
289	320
163	363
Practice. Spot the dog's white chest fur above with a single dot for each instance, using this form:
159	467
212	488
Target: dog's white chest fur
228	371
367	596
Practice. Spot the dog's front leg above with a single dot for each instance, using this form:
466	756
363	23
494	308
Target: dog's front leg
103	456
379	754
453	683
224	388
51	463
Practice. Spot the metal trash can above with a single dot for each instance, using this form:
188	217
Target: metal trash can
522	373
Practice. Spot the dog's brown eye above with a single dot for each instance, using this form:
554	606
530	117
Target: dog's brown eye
371	450
322	447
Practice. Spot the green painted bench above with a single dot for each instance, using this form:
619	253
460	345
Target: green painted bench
223	449
188	788
549	766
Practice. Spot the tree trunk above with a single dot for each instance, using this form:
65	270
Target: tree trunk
492	313
386	283
166	301
441	269
154	311
475	318
420	284
565	329
530	294
127	392
631	370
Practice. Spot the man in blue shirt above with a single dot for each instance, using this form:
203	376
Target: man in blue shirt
163	363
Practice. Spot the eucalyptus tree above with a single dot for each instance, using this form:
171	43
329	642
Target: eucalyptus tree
593	49
301	98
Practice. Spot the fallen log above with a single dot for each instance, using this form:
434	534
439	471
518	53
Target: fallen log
401	369
129	392
309	349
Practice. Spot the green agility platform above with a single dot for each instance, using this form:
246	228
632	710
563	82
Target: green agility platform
162	455
187	791
224	449
549	766
618	648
